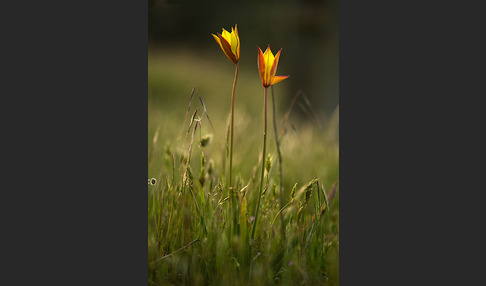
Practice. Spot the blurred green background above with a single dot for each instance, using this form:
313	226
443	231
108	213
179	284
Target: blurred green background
182	55
182	50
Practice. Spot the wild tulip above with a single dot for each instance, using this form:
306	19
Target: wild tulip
267	67
230	44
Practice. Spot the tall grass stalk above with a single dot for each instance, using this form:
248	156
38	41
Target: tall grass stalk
187	112
263	161
282	225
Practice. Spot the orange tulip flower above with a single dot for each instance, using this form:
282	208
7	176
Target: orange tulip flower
229	43
267	66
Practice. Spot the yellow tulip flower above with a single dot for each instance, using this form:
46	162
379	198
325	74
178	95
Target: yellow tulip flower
229	43
267	66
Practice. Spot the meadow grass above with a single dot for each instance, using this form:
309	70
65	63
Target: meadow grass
192	235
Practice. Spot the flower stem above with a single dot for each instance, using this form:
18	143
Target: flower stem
232	125
230	190
263	161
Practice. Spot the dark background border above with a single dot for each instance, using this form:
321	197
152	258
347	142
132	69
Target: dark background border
410	176
74	118
75	83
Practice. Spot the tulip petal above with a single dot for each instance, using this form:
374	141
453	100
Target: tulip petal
218	41
273	69
234	42
227	48
226	35
261	65
279	78
269	58
238	37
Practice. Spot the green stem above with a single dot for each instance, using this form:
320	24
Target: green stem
279	165
263	161
286	205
